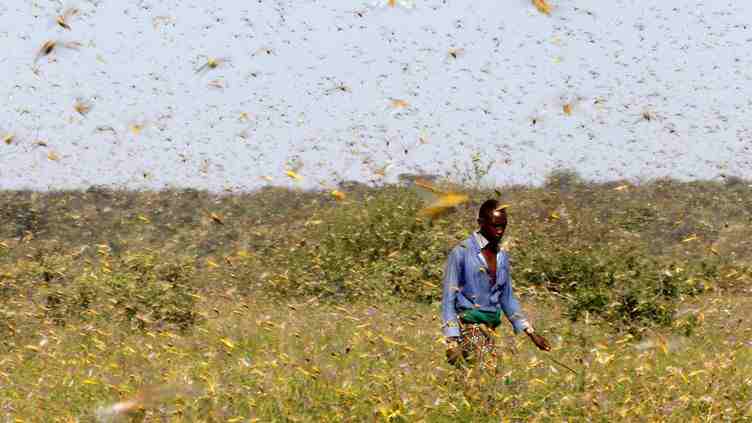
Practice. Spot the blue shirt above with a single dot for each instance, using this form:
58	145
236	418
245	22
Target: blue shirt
467	285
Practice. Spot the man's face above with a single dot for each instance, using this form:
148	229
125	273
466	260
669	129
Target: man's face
492	227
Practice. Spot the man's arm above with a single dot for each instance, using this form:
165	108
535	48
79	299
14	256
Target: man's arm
512	309
509	303
451	286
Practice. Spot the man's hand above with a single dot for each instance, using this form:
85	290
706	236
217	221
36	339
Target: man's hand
538	340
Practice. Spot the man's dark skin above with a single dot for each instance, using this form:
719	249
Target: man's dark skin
492	228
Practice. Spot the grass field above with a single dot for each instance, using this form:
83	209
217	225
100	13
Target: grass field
295	306
304	361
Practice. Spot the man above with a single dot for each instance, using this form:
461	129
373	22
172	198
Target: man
478	288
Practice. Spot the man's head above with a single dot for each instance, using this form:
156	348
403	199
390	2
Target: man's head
492	220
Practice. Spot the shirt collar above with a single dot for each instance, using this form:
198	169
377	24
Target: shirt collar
480	239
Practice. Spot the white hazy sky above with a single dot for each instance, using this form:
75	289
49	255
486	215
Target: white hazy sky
687	63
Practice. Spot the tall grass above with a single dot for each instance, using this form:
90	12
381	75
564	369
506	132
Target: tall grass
283	305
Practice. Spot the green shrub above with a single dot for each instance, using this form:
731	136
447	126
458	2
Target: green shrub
22	218
44	270
626	288
149	292
382	250
374	247
138	289
355	241
614	250
563	180
638	218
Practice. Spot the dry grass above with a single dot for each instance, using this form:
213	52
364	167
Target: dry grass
306	361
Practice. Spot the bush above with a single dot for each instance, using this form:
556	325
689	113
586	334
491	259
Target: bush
563	180
23	217
381	249
138	289
357	241
611	250
148	292
625	288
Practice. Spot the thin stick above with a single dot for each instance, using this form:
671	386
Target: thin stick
561	364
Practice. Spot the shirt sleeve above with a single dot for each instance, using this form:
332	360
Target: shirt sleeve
451	286
509	303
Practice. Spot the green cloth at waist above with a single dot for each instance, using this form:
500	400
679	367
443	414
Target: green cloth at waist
490	318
